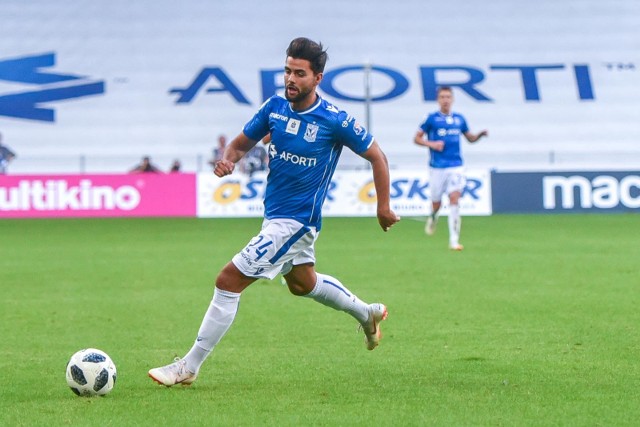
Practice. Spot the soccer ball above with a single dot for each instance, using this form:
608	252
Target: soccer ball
91	372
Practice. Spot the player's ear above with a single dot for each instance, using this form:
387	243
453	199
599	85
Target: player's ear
318	78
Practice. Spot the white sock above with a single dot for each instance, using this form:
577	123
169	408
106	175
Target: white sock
216	322
455	222
330	292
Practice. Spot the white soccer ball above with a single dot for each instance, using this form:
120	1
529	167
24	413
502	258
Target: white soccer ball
91	372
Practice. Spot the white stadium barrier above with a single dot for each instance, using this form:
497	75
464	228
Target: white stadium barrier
93	86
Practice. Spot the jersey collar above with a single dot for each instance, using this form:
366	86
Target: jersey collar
310	109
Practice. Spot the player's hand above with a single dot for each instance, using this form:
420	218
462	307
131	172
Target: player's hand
437	145
483	133
386	219
223	168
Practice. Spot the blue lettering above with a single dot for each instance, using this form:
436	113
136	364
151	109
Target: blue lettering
226	85
470	189
529	80
418	189
465	78
396	188
583	79
269	80
400	83
430	83
254	189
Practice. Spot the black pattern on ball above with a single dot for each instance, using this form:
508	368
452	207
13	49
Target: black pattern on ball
94	358
78	375
101	380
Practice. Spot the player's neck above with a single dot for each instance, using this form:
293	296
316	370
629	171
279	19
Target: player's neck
305	103
446	112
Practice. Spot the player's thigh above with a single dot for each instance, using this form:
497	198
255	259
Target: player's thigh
279	243
455	180
437	183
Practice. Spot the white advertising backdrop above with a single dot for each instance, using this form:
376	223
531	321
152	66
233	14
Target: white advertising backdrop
351	194
555	82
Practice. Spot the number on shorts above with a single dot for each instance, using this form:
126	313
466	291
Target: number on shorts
260	250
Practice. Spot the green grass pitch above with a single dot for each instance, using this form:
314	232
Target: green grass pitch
535	323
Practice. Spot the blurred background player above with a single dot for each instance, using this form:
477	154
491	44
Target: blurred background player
307	134
440	132
218	152
255	160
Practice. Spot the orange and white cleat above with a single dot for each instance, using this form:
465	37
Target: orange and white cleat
172	374
372	334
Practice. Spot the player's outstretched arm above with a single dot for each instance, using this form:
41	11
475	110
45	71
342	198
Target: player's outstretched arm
240	146
381	180
473	137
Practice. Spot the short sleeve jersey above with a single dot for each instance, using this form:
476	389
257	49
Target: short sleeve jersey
447	128
303	154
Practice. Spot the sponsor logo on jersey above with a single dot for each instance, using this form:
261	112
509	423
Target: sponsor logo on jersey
272	151
291	157
298	160
445	132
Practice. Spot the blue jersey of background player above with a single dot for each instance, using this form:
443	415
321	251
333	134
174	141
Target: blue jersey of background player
304	151
440	132
446	128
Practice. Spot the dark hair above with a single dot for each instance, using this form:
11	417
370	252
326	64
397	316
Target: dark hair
303	48
441	88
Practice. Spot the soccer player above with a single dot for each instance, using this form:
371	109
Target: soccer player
307	137
440	132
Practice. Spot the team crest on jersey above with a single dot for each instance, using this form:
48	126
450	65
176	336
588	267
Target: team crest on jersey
292	126
311	133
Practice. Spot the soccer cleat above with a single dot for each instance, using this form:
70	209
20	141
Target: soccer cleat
430	226
172	374
372	334
456	247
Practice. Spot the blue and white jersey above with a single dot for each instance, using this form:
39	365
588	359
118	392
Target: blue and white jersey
447	128
303	154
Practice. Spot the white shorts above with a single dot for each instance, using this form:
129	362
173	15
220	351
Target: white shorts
281	244
446	181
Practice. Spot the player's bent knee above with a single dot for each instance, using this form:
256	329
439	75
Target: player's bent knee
232	280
